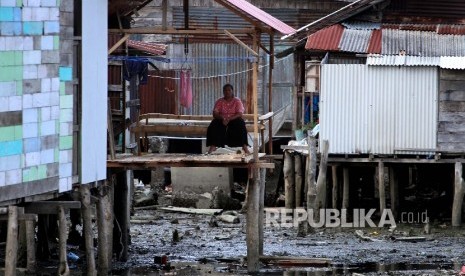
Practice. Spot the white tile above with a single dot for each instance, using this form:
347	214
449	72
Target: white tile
32	57
32	159
8	3
30	72
3	104
13	177
2	179
55	84
54	14
11	162
41	99
40	14
28	43
66	115
65	170
48	3
30	130
27	14
63	184
15	103
47	156
46	85
7	88
27	101
30	115
2	44
54	98
31	3
10	43
48	128
64	156
46	42
66	129
45	113
55	113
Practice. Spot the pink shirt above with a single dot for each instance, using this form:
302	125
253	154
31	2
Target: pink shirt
228	109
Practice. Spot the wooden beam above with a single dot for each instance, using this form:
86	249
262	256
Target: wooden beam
49	207
241	43
459	191
172	31
117	44
381	185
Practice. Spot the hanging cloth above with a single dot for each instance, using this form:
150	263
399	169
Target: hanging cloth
186	89
133	67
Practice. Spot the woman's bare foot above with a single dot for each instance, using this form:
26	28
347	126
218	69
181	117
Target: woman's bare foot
245	149
211	149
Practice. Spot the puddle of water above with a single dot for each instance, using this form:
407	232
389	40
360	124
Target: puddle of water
197	269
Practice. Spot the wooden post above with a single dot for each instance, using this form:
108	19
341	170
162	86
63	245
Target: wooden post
255	47
261	210
122	213
394	189
295	110
345	192
87	227
270	95
289	185
311	175
335	191
458	196
63	268
111	136
11	253
31	246
22	241
105	230
253	248
382	195
298	180
320	201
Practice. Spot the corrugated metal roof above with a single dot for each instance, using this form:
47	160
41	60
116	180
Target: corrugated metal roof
257	14
151	48
400	60
452	62
444	11
374	46
326	39
355	40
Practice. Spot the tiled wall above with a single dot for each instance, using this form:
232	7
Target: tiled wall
36	109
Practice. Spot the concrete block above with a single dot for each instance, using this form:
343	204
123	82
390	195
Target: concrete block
30	115
55	84
27	101
66	156
32	159
54	14
67	19
69	88
201	180
54	98
11	28
13	43
66	115
7	88
46	85
63	184
41	14
31	144
37	41
30	130
28	43
32	85
27	14
45	113
52	56
51	27
47	70
11	162
32	57
2	178
46	42
47	156
55	113
15	103
52	169
13	177
49	142
65	169
11	118
30	72
66	129
48	128
41	99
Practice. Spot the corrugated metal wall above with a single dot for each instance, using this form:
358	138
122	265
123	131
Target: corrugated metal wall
378	110
214	65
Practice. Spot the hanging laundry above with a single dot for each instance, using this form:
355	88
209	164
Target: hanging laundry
134	67
186	89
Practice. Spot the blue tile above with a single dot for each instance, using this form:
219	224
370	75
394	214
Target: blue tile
65	73
17	14
51	27
6	14
33	28
11	147
10	28
31	144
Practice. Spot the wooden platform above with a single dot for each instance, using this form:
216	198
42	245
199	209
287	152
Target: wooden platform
153	160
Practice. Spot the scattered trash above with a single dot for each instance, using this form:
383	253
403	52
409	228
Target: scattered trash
160	260
364	237
72	257
176	237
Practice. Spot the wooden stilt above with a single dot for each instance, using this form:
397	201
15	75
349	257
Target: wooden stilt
298	180
459	190
22	242
105	231
345	192
394	189
253	248
320	201
382	194
311	175
261	209
122	212
63	268
88	234
335	192
31	246
11	253
289	184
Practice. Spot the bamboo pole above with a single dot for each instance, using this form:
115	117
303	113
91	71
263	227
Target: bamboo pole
289	184
459	190
11	253
298	180
63	268
381	185
394	190
31	246
345	192
320	201
105	230
87	223
335	191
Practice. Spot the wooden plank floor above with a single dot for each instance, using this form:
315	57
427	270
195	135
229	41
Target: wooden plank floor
153	160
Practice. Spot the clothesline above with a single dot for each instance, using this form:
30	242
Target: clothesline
221	75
